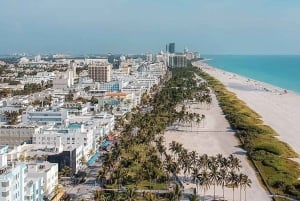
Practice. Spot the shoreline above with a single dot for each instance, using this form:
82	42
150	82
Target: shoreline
271	87
278	108
204	61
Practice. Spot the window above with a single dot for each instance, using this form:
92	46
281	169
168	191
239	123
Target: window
5	184
5	194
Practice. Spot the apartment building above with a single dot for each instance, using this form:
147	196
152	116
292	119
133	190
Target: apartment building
15	182
49	173
100	72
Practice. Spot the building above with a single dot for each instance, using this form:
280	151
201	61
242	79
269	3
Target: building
33	190
63	80
73	67
69	157
45	116
49	173
170	48
177	61
17	184
13	135
12	179
75	134
112	86
100	72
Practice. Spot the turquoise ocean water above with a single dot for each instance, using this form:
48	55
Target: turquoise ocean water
278	70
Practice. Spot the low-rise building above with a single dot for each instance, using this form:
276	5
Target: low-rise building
49	173
32	115
15	184
13	135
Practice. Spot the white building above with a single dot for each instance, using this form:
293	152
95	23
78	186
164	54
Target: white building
15	185
45	116
63	80
49	173
75	134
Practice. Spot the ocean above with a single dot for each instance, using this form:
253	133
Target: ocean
279	70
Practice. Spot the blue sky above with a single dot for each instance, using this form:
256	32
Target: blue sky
140	26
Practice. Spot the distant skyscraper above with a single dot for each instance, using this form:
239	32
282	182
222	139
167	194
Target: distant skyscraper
171	48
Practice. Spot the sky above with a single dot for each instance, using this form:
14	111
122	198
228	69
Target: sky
142	26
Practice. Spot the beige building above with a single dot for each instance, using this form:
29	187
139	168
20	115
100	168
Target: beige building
16	135
100	72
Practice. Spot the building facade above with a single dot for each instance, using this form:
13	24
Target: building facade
12	179
177	61
16	135
100	72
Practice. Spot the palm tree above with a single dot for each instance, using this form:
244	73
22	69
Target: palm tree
130	194
91	153
150	196
204	182
194	196
99	196
195	177
193	157
234	162
246	182
222	179
233	181
213	177
203	161
113	196
177	192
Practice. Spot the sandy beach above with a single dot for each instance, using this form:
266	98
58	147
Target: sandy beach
213	137
279	109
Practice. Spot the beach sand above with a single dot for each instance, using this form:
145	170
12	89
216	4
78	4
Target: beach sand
279	109
213	137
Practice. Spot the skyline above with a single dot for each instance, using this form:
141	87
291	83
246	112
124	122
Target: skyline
132	26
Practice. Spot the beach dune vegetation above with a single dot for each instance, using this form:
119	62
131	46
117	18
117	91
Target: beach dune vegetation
271	157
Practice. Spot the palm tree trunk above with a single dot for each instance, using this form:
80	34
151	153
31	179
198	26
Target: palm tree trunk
240	193
214	191
223	192
245	195
203	195
233	193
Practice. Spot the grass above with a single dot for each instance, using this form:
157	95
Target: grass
270	155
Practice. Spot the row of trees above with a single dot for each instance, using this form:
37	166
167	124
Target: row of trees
135	160
206	171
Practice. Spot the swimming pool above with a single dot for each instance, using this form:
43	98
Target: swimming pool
93	159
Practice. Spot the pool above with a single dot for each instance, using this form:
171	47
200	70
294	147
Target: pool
93	159
105	144
74	126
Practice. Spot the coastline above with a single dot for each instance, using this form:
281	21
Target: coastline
278	108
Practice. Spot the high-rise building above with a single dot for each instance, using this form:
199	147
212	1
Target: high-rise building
177	61
73	67
100	72
171	48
